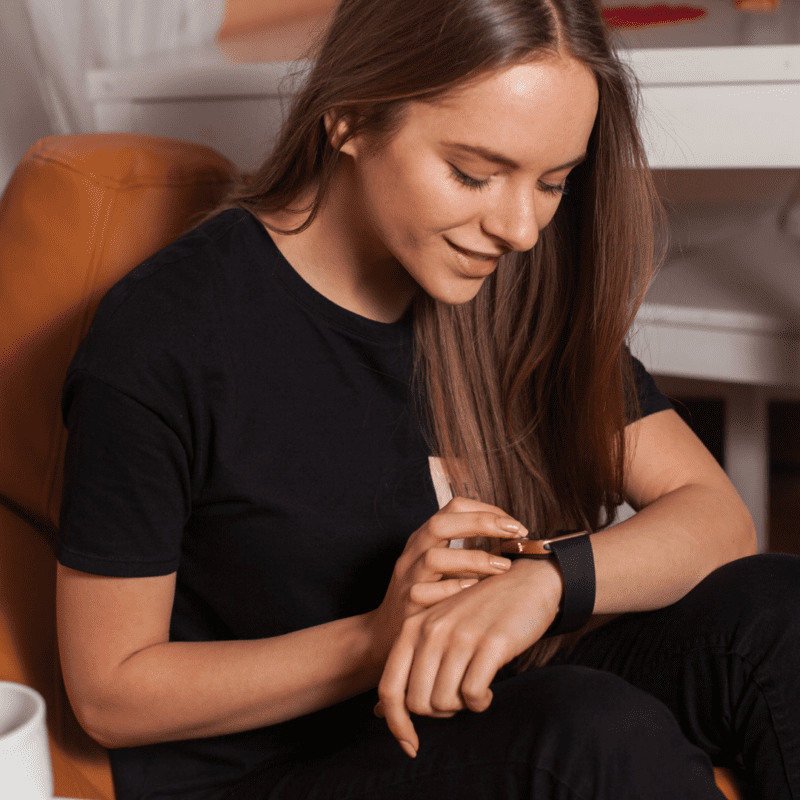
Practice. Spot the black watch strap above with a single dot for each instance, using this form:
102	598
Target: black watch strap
576	562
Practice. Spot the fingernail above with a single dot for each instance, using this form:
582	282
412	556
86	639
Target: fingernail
512	526
467	582
408	748
500	563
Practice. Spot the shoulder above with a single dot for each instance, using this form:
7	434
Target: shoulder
186	271
157	334
649	397
171	301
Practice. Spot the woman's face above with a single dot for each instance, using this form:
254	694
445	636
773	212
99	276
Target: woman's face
467	180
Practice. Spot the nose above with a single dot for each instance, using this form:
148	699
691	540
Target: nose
512	218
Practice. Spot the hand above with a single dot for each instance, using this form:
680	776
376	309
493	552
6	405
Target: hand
447	655
429	571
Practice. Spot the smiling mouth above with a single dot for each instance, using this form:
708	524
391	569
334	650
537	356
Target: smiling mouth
472	254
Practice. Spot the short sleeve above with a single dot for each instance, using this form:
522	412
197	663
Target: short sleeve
127	492
650	397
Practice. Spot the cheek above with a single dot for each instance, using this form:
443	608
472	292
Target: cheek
414	206
439	208
412	201
546	212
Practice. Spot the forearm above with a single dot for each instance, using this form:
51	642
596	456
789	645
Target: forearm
657	556
187	690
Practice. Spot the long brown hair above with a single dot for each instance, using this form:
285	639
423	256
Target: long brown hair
525	391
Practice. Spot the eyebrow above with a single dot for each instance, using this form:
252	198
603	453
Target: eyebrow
490	155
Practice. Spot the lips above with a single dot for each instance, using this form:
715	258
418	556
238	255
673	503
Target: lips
473	254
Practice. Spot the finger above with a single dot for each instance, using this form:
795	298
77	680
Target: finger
421	679
446	694
447	525
438	561
437	564
430	563
392	690
431	649
461	503
378	711
431	592
483	667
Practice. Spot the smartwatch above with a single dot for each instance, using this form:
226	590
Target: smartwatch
573	554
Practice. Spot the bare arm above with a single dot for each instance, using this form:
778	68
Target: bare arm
690	521
130	685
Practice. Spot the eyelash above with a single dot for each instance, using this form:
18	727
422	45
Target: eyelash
473	183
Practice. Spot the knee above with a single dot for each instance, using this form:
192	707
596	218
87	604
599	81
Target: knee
597	707
764	586
751	604
610	726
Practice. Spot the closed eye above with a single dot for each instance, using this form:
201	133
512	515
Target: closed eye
475	183
466	180
560	189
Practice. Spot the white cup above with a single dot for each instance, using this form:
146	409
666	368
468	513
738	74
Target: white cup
25	769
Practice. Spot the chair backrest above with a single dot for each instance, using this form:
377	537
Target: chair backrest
79	213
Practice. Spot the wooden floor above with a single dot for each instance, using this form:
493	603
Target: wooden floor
706	417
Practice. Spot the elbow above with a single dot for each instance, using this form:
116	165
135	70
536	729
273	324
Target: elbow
734	533
746	540
104	740
98	728
109	738
98	718
750	537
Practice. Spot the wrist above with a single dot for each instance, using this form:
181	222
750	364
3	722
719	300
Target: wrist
380	641
575	562
547	578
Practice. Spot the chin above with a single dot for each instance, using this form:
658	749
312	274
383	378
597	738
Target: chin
447	284
459	295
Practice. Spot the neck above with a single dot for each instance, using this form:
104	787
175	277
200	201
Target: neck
340	255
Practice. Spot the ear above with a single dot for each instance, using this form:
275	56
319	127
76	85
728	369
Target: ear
337	131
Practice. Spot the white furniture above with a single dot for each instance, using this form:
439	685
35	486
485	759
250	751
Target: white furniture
721	122
722	116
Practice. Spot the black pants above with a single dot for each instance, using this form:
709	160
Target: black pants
641	709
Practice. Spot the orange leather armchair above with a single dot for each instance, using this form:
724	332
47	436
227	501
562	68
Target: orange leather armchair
79	212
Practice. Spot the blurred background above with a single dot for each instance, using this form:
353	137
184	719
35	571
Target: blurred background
721	115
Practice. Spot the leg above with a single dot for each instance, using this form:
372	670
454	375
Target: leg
726	661
560	733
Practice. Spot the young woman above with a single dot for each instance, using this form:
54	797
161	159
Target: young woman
441	258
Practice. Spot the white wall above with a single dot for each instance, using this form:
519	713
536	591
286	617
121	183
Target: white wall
22	115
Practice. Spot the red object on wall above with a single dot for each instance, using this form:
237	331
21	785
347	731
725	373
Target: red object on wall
637	16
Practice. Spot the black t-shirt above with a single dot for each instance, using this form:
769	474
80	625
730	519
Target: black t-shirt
229	423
